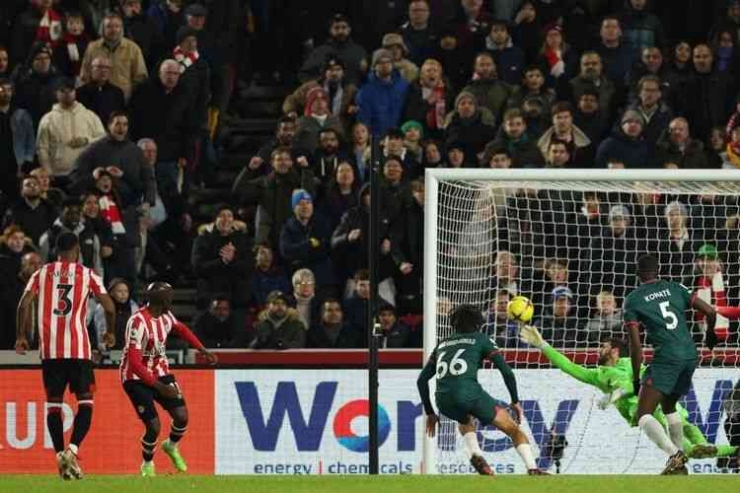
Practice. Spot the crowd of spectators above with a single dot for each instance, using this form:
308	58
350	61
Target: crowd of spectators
111	111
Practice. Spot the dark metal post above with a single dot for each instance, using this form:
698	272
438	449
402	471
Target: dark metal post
374	253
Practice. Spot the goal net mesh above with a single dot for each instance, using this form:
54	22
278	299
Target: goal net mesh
571	247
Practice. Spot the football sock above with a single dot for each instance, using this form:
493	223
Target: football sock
177	431
675	428
726	450
471	444
656	433
55	425
525	452
82	423
148	446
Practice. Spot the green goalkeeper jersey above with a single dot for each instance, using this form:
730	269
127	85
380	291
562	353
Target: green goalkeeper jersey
607	379
660	307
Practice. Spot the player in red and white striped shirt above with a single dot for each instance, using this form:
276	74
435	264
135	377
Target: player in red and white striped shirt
62	290
146	376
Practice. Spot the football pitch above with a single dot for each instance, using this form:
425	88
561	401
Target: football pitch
366	484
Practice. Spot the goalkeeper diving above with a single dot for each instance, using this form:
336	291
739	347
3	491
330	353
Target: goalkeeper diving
614	377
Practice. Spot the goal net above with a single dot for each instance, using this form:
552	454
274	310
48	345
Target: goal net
569	241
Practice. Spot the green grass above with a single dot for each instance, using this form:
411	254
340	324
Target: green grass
366	484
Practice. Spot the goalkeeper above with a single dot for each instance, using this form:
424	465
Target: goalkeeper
613	376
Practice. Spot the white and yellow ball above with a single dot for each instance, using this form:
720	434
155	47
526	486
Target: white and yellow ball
520	309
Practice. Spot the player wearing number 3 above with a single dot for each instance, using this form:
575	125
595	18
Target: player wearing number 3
146	376
455	362
659	306
61	291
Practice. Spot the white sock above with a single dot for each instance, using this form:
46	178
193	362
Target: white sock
471	444
525	452
675	428
656	433
75	450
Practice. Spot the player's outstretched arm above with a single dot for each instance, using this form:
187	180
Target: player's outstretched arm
711	317
531	336
187	335
24	322
422	384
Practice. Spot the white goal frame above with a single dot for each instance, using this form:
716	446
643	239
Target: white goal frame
433	177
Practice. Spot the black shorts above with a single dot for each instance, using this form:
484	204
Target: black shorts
77	373
143	397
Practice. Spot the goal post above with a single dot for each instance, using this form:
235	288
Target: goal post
554	228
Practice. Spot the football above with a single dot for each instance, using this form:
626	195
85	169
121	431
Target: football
520	309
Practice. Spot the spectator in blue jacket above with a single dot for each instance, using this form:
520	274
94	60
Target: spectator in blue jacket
305	241
381	99
626	145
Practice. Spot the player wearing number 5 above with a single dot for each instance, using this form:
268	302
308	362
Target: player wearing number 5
659	306
146	375
455	362
61	290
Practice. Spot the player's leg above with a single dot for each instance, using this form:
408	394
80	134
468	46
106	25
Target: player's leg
459	412
178	411
82	384
142	398
475	454
650	397
504	422
55	384
152	428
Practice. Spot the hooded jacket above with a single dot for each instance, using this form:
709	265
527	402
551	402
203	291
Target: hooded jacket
381	102
58	128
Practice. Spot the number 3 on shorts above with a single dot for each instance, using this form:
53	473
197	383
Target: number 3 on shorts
456	367
668	315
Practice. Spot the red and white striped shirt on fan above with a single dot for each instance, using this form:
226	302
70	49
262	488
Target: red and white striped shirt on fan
144	356
63	290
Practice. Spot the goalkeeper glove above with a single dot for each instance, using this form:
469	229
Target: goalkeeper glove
610	399
531	336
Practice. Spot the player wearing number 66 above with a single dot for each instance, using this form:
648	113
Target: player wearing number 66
455	362
659	306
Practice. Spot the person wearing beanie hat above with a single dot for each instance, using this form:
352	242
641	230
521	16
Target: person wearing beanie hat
341	93
413	134
626	144
557	60
395	44
382	98
279	325
618	212
305	241
298	196
36	83
316	117
709	286
469	125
